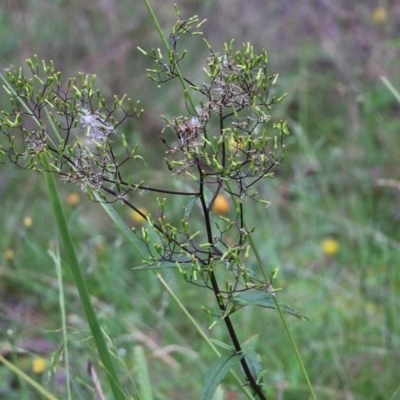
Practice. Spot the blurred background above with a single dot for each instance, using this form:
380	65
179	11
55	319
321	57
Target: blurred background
332	227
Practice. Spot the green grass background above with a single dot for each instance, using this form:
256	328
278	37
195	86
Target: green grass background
340	179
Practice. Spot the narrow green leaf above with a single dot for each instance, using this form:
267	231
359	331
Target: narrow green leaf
252	358
217	373
189	207
207	195
223	345
392	89
143	374
253	362
154	267
262	299
39	388
80	283
135	241
164	264
250	343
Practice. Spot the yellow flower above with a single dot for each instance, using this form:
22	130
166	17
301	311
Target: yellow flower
73	199
28	222
136	217
9	255
221	205
39	366
330	247
379	15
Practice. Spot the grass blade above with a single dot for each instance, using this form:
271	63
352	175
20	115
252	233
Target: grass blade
80	283
27	379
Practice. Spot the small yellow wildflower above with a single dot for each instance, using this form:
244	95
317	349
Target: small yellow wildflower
221	205
28	222
73	199
39	366
9	254
137	218
379	15
330	247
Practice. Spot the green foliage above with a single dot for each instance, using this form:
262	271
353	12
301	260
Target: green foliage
217	373
261	299
74	138
338	182
143	374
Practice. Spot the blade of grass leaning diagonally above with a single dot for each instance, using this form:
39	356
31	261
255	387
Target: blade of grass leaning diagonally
75	268
40	389
141	250
81	284
392	89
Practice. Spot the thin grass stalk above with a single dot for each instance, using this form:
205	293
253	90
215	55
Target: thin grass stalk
167	48
392	89
20	381
22	375
57	263
263	269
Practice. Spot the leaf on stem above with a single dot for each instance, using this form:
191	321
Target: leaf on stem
262	299
217	373
189	207
184	263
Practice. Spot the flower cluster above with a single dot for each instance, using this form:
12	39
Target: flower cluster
221	147
225	144
73	127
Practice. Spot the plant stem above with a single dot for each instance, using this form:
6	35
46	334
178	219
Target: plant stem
219	298
296	351
27	378
281	314
202	334
235	341
393	90
170	53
